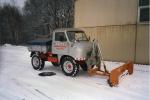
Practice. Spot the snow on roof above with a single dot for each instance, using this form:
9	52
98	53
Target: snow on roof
67	29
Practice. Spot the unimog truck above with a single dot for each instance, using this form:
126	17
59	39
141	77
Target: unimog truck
70	49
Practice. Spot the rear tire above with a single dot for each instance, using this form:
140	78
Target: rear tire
69	66
37	62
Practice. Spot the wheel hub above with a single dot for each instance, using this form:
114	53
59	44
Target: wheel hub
36	62
68	66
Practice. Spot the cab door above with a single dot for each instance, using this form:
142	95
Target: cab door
60	44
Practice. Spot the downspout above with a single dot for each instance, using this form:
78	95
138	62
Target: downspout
137	19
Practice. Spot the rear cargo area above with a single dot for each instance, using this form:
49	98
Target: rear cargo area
41	45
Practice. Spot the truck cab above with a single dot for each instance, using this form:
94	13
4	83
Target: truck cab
71	42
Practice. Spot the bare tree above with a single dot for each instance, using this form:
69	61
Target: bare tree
43	16
10	24
39	17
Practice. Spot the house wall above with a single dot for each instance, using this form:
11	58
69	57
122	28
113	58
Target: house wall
114	24
89	13
142	44
117	42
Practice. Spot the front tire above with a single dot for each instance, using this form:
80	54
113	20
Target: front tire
69	66
37	62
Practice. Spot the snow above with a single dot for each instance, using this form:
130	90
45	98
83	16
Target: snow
19	81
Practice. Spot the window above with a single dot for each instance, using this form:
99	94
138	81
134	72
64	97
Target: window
76	36
60	36
143	2
143	11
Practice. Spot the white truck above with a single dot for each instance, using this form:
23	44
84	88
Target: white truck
71	49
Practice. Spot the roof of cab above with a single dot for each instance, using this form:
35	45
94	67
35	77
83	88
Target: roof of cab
67	29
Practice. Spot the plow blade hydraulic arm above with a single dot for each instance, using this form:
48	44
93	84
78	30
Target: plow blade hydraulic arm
115	73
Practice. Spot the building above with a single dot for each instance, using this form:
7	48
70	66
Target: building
120	26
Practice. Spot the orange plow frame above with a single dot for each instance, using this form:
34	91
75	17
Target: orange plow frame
114	74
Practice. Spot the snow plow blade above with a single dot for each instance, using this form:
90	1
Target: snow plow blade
116	73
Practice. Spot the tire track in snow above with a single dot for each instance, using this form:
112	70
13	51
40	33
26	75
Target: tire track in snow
43	94
30	89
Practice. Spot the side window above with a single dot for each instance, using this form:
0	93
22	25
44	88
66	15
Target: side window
143	13
60	36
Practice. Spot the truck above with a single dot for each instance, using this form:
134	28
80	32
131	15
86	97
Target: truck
70	49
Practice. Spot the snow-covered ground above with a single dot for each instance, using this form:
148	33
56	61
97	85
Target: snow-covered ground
19	81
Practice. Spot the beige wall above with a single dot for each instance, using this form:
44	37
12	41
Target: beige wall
89	13
122	42
114	24
117	42
142	44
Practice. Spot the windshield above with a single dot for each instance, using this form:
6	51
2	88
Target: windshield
76	36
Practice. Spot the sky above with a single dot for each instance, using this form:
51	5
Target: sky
19	3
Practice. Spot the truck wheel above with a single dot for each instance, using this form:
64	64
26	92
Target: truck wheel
69	66
37	63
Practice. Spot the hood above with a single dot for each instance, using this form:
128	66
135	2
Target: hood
81	49
83	45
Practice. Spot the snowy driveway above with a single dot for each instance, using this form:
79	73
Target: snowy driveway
18	81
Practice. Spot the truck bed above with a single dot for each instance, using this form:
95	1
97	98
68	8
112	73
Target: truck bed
40	45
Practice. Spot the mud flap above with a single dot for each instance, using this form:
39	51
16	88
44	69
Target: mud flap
115	73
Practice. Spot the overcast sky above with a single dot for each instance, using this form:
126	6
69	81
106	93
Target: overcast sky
19	3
